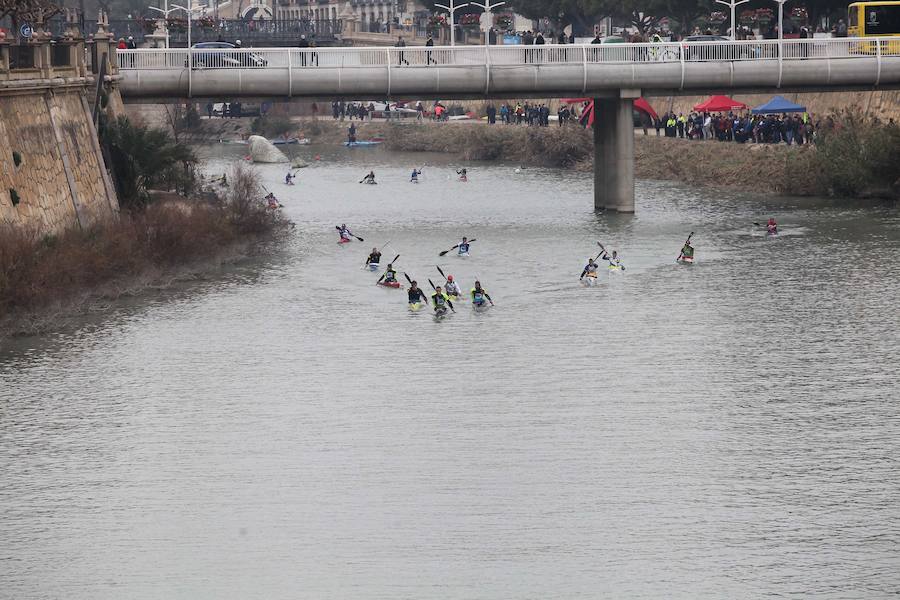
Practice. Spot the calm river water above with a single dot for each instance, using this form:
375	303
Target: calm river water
290	430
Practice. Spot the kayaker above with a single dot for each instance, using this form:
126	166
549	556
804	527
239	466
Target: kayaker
479	295
687	251
452	287
464	246
344	232
289	178
414	294
772	226
414	177
590	269
370	178
390	275
441	301
272	200
374	257
614	260
462	174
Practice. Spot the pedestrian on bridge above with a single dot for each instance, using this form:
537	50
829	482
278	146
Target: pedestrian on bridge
401	43
429	43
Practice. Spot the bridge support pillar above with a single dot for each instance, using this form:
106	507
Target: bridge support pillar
614	152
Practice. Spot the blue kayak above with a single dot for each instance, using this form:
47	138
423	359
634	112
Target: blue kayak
361	143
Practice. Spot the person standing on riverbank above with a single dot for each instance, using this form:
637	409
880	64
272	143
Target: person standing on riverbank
491	114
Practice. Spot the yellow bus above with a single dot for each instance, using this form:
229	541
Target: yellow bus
871	19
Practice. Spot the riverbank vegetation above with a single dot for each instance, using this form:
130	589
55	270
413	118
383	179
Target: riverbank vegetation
146	246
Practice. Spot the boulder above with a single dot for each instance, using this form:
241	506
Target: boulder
263	151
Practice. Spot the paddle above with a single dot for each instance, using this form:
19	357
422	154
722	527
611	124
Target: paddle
454	248
686	242
440	271
356	236
609	257
583	271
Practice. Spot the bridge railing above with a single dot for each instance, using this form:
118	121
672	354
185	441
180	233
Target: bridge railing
420	56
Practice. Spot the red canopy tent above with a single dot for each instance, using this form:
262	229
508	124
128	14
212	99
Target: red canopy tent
720	104
639	104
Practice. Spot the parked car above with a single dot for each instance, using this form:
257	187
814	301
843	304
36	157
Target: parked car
223	55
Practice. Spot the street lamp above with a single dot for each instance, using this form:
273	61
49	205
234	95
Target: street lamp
452	9
190	13
487	7
780	20
165	13
733	4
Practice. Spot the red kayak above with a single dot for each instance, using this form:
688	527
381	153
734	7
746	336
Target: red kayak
390	284
344	241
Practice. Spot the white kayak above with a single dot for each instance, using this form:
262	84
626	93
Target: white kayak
373	266
462	254
589	280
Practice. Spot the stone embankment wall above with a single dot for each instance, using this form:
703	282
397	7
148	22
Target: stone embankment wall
52	172
60	180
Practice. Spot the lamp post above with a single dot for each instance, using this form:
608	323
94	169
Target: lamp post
780	20
190	14
452	9
733	4
487	7
165	13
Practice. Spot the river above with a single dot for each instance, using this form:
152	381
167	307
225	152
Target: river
287	429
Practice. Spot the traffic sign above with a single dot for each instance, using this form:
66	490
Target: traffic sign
25	30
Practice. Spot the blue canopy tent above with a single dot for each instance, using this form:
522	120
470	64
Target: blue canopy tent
778	104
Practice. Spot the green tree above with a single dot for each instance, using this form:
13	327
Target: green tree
580	14
144	158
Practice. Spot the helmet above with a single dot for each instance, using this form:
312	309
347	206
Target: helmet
449	277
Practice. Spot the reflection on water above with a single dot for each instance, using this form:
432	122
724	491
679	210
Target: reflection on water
291	430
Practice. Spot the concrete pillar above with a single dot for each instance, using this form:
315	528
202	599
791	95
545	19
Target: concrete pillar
614	153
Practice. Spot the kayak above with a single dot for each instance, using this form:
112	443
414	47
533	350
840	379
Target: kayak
361	143
463	254
344	241
615	268
686	260
415	306
480	308
589	280
390	284
290	141
374	266
458	298
441	313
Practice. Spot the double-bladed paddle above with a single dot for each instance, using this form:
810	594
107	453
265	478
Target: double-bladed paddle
356	236
686	242
455	247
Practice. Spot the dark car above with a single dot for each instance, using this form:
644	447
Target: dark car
212	55
715	51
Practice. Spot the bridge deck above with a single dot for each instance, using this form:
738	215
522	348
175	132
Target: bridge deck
503	71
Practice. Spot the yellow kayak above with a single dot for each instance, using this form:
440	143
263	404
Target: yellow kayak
415	306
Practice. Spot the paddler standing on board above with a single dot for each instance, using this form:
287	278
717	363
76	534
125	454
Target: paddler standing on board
479	295
452	288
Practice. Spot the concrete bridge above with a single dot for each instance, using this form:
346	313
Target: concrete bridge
614	74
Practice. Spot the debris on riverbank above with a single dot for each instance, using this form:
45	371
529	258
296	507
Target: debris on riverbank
46	279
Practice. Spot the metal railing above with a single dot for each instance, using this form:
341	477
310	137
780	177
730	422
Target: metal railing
419	56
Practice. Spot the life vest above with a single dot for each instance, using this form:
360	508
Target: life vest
440	300
463	248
